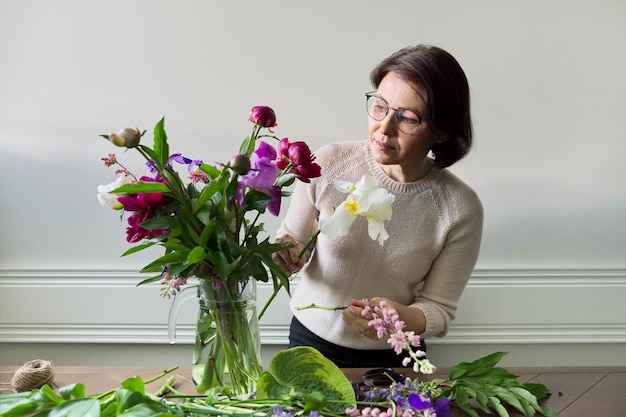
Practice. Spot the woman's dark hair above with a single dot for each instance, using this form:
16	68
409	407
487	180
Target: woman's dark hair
447	96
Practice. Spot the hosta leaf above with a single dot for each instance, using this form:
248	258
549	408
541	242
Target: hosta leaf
302	370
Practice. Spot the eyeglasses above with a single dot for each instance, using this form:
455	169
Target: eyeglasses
407	121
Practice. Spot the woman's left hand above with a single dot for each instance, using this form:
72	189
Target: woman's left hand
353	316
413	317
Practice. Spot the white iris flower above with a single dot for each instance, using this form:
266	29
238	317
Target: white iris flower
365	199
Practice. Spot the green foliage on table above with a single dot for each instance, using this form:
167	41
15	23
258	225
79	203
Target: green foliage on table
130	399
490	387
299	380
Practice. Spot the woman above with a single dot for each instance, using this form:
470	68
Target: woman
419	124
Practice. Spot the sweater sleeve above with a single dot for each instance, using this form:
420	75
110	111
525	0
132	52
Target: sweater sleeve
452	268
300	218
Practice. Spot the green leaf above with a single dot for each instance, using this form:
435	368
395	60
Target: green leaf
168	258
285	180
150	280
478	367
161	148
151	154
160	222
495	403
81	407
142	187
220	263
73	391
138	248
17	405
256	200
540	391
197	255
508	397
548	412
462	400
247	146
126	398
135	384
302	370
528	398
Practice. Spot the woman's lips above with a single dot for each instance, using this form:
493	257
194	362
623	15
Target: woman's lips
382	146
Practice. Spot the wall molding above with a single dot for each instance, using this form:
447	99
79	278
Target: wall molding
57	306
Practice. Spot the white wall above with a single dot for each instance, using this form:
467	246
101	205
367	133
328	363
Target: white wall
548	89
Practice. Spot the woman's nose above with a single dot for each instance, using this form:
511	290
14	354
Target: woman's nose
388	124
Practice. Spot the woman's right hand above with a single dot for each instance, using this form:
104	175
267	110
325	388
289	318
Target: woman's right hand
288	259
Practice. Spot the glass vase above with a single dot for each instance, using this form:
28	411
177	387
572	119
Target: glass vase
227	347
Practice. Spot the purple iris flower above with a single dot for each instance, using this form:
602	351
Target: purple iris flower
176	157
276	193
263	171
442	407
419	403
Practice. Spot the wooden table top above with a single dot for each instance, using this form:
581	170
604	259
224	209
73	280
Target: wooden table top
576	392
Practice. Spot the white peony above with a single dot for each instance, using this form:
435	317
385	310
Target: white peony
104	192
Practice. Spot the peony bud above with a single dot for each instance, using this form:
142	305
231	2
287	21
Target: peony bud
240	164
127	138
263	116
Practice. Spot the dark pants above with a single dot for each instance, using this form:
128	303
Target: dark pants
344	357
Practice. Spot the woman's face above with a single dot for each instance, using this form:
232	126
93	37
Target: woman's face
402	156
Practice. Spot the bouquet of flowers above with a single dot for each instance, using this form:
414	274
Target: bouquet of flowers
208	221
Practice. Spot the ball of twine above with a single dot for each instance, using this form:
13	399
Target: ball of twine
32	375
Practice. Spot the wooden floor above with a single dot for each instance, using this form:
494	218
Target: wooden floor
577	392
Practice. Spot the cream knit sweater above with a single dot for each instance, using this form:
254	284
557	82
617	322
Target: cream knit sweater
435	234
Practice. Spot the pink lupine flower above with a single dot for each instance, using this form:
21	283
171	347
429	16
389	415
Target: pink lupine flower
387	322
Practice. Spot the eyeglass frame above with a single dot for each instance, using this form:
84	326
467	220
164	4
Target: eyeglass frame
395	116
